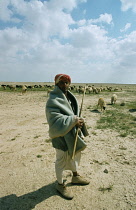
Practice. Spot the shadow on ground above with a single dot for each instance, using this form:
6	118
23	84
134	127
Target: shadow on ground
109	104
95	111
132	110
27	201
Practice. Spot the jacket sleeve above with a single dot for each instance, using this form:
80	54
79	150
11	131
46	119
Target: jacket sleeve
59	123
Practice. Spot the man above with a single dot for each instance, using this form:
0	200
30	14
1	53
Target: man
62	116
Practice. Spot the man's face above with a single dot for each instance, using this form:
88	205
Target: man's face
64	85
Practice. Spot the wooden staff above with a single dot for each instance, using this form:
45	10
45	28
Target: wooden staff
73	155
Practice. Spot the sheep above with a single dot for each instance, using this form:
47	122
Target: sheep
4	87
81	89
24	89
90	90
12	87
102	104
95	90
98	90
113	99
109	88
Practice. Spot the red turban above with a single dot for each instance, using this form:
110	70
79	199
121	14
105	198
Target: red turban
62	77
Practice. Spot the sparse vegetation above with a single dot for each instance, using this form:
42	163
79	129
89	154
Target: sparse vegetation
88	127
39	156
103	189
124	134
119	120
122	148
94	133
101	163
36	137
108	161
48	140
13	139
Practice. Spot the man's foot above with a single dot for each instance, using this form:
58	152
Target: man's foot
79	180
64	191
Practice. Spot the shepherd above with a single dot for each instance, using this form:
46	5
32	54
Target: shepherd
62	113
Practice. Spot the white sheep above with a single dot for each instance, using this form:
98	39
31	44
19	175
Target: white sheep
113	99
102	104
24	89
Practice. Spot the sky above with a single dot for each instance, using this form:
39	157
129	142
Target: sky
93	41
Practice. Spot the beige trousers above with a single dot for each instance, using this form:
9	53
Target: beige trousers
65	162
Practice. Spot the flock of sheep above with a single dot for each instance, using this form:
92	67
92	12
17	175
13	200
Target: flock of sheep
79	89
24	88
96	90
93	89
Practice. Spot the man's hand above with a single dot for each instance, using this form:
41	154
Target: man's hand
80	122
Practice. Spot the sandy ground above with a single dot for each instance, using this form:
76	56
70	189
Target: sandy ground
27	159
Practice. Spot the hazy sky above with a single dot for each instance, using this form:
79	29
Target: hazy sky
91	40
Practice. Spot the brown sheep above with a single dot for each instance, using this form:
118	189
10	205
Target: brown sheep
102	104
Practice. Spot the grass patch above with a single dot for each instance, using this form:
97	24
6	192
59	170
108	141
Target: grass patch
39	156
101	163
124	134
131	105
94	133
122	148
36	137
103	189
126	162
48	140
88	127
13	139
117	119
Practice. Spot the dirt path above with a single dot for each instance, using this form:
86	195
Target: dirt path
27	160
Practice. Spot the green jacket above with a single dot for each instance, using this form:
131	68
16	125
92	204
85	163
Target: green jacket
61	119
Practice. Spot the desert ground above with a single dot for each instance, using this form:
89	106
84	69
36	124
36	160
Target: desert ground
27	158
